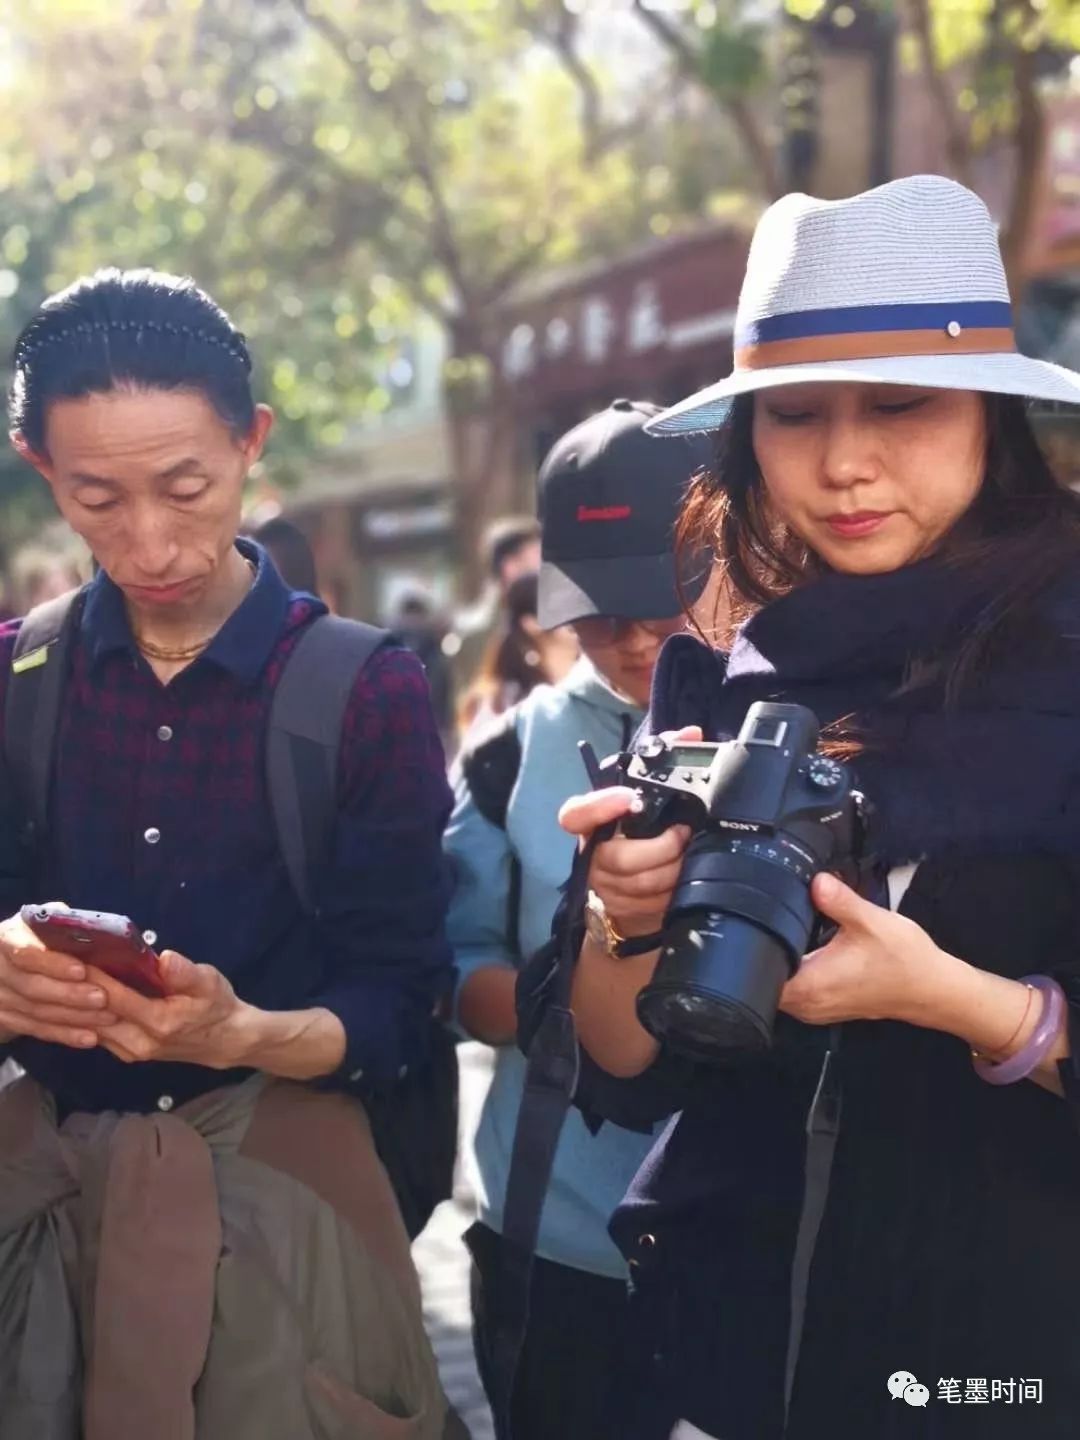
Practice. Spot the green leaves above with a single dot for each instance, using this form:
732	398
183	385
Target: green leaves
733	59
330	170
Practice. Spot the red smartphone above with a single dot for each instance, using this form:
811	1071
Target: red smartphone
111	942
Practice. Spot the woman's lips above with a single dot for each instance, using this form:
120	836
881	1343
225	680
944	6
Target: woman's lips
862	522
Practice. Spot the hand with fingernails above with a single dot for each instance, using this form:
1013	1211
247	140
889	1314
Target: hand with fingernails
194	1021
877	966
45	995
199	1020
634	878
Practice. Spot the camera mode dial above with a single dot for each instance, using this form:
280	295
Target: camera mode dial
826	774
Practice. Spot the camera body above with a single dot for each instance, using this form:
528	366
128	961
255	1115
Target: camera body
767	812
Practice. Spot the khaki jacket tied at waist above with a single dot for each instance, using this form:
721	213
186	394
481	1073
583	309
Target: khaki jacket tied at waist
235	1270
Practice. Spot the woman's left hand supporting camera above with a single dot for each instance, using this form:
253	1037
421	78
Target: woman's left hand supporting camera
878	966
883	966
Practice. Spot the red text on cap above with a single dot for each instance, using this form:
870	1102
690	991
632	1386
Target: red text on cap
587	513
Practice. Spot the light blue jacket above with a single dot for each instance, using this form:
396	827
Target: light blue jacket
591	1172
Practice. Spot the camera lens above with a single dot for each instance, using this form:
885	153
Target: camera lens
738	923
716	987
767	812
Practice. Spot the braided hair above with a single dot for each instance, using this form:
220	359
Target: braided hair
137	328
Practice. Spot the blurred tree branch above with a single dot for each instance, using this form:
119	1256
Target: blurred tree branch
327	169
410	119
760	153
984	70
1029	138
956	131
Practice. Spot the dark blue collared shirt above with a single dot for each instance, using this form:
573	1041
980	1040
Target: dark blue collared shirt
160	811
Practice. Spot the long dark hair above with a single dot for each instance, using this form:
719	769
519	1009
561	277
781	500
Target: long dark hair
1020	535
129	327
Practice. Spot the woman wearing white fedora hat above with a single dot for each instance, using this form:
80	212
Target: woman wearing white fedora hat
874	1228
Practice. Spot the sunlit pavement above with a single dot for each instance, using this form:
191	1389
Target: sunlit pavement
443	1264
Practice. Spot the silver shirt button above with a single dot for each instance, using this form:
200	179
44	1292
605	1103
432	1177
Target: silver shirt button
165	1103
152	836
357	1075
150	936
164	732
954	329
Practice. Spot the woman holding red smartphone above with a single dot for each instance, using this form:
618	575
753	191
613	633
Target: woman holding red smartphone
247	1266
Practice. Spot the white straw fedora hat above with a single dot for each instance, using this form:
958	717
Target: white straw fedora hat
902	285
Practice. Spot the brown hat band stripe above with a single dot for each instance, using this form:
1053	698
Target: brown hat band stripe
879	345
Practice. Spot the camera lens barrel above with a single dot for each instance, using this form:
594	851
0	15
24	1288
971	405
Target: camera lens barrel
737	926
716	988
763	878
767	812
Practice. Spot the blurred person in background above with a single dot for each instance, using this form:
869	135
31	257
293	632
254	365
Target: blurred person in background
609	500
209	1146
520	655
290	550
512	548
38	577
509	549
416	625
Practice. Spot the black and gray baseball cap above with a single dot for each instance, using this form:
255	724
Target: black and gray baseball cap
609	498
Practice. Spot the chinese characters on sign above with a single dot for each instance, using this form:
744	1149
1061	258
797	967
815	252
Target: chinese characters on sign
598	331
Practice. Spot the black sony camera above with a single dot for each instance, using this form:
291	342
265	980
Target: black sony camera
767	813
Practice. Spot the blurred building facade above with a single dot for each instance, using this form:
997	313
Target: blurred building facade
379	511
656	323
653	324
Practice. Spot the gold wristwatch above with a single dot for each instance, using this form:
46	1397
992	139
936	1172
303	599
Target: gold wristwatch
604	933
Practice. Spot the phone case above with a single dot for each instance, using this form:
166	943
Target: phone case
111	942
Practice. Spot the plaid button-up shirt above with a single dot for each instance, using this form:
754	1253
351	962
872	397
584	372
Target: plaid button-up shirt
160	811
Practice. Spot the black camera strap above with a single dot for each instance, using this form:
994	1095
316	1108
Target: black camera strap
822	1132
551	1077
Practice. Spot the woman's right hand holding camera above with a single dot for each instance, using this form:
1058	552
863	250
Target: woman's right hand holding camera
45	995
635	880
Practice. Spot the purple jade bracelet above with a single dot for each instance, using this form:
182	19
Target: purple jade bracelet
1045	1033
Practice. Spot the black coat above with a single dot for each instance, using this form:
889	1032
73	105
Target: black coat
950	1241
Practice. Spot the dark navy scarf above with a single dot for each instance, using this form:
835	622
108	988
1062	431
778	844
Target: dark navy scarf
996	771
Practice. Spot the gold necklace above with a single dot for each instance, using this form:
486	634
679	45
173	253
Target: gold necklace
162	652
183	652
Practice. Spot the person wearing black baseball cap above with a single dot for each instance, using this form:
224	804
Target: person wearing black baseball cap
609	499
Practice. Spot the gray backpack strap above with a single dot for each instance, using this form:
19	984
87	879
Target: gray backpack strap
304	739
35	692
